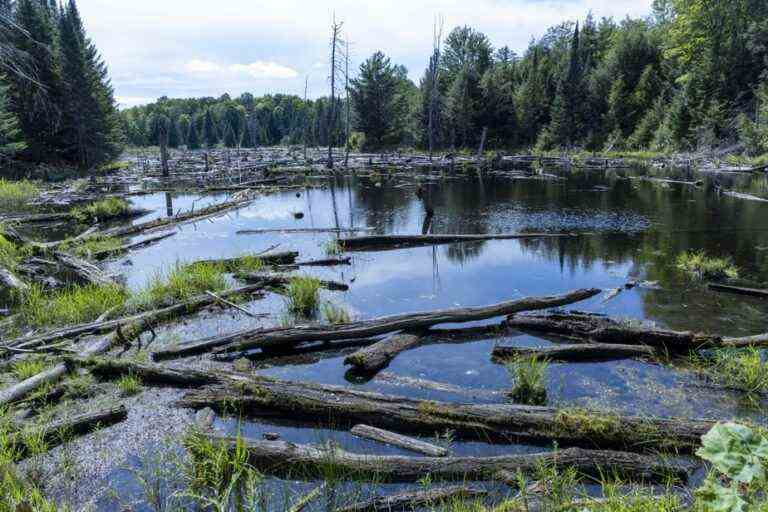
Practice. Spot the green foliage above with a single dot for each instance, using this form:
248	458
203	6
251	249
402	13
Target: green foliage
528	375
40	308
105	209
303	295
707	267
129	385
14	195
97	244
335	314
332	248
26	368
9	254
742	369
181	282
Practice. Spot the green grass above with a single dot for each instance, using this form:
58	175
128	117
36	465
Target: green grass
26	368
303	295
39	308
129	385
332	248
10	255
528	375
113	166
108	208
707	267
250	263
180	283
745	369
14	195
90	246
335	314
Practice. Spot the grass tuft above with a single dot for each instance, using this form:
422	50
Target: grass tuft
332	248
10	255
180	283
27	368
129	385
528	375
707	267
40	308
108	208
93	245
334	314
303	295
745	370
14	195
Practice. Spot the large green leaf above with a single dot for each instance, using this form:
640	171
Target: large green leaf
736	451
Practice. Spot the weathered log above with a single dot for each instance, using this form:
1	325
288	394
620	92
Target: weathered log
235	264
443	387
340	407
308	461
399	440
328	262
384	242
100	255
600	329
753	292
247	340
86	272
62	216
308	498
758	340
281	281
10	282
107	368
61	431
301	230
583	352
414	500
377	356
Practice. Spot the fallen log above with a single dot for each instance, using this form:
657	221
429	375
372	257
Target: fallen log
308	461
328	262
281	281
753	292
399	440
86	272
443	387
109	369
100	255
236	264
384	242
10	282
583	352
251	339
600	329
414	500
64	430
377	356
758	340
341	408
301	230
308	498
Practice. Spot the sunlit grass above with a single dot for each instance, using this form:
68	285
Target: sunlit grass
14	195
9	254
742	369
335	314
332	248
303	295
108	208
707	267
40	308
94	245
180	283
26	368
129	385
528	375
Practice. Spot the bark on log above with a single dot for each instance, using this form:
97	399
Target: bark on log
584	352
310	403
443	387
414	500
377	356
386	242
758	340
280	281
606	330
248	340
308	461
9	281
62	431
399	440
106	368
86	272
754	292
328	262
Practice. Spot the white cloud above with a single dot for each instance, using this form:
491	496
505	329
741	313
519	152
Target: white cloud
202	66
263	69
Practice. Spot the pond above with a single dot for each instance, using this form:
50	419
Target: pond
628	229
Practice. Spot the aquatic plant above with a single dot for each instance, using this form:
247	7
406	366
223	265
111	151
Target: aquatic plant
129	385
303	295
707	267
335	314
181	282
74	305
14	195
528	375
108	208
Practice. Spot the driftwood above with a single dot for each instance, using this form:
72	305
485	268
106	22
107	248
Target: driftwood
582	352
413	500
384	242
377	356
9	281
599	329
328	262
281	281
86	272
399	440
247	340
63	216
308	461
340	407
754	292
62	431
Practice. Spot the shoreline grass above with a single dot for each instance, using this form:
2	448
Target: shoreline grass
108	208
179	283
40	308
14	195
303	295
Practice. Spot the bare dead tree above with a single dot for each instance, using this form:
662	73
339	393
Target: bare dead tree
163	131
336	53
346	96
306	116
434	69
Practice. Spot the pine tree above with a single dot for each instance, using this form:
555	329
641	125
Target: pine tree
193	139
565	124
10	135
375	97
182	129
210	134
230	139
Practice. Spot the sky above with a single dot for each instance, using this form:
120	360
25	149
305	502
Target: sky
192	48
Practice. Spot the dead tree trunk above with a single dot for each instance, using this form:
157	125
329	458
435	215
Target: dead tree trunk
414	500
574	353
377	356
386	242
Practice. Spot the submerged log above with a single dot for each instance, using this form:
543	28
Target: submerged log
251	339
413	500
384	242
581	352
377	356
753	292
600	329
399	440
340	407
308	461
281	281
443	387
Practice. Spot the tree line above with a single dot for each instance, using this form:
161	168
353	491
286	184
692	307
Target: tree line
56	100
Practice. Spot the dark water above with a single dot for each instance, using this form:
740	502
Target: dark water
631	229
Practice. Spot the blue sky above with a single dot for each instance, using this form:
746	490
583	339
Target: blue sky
183	48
